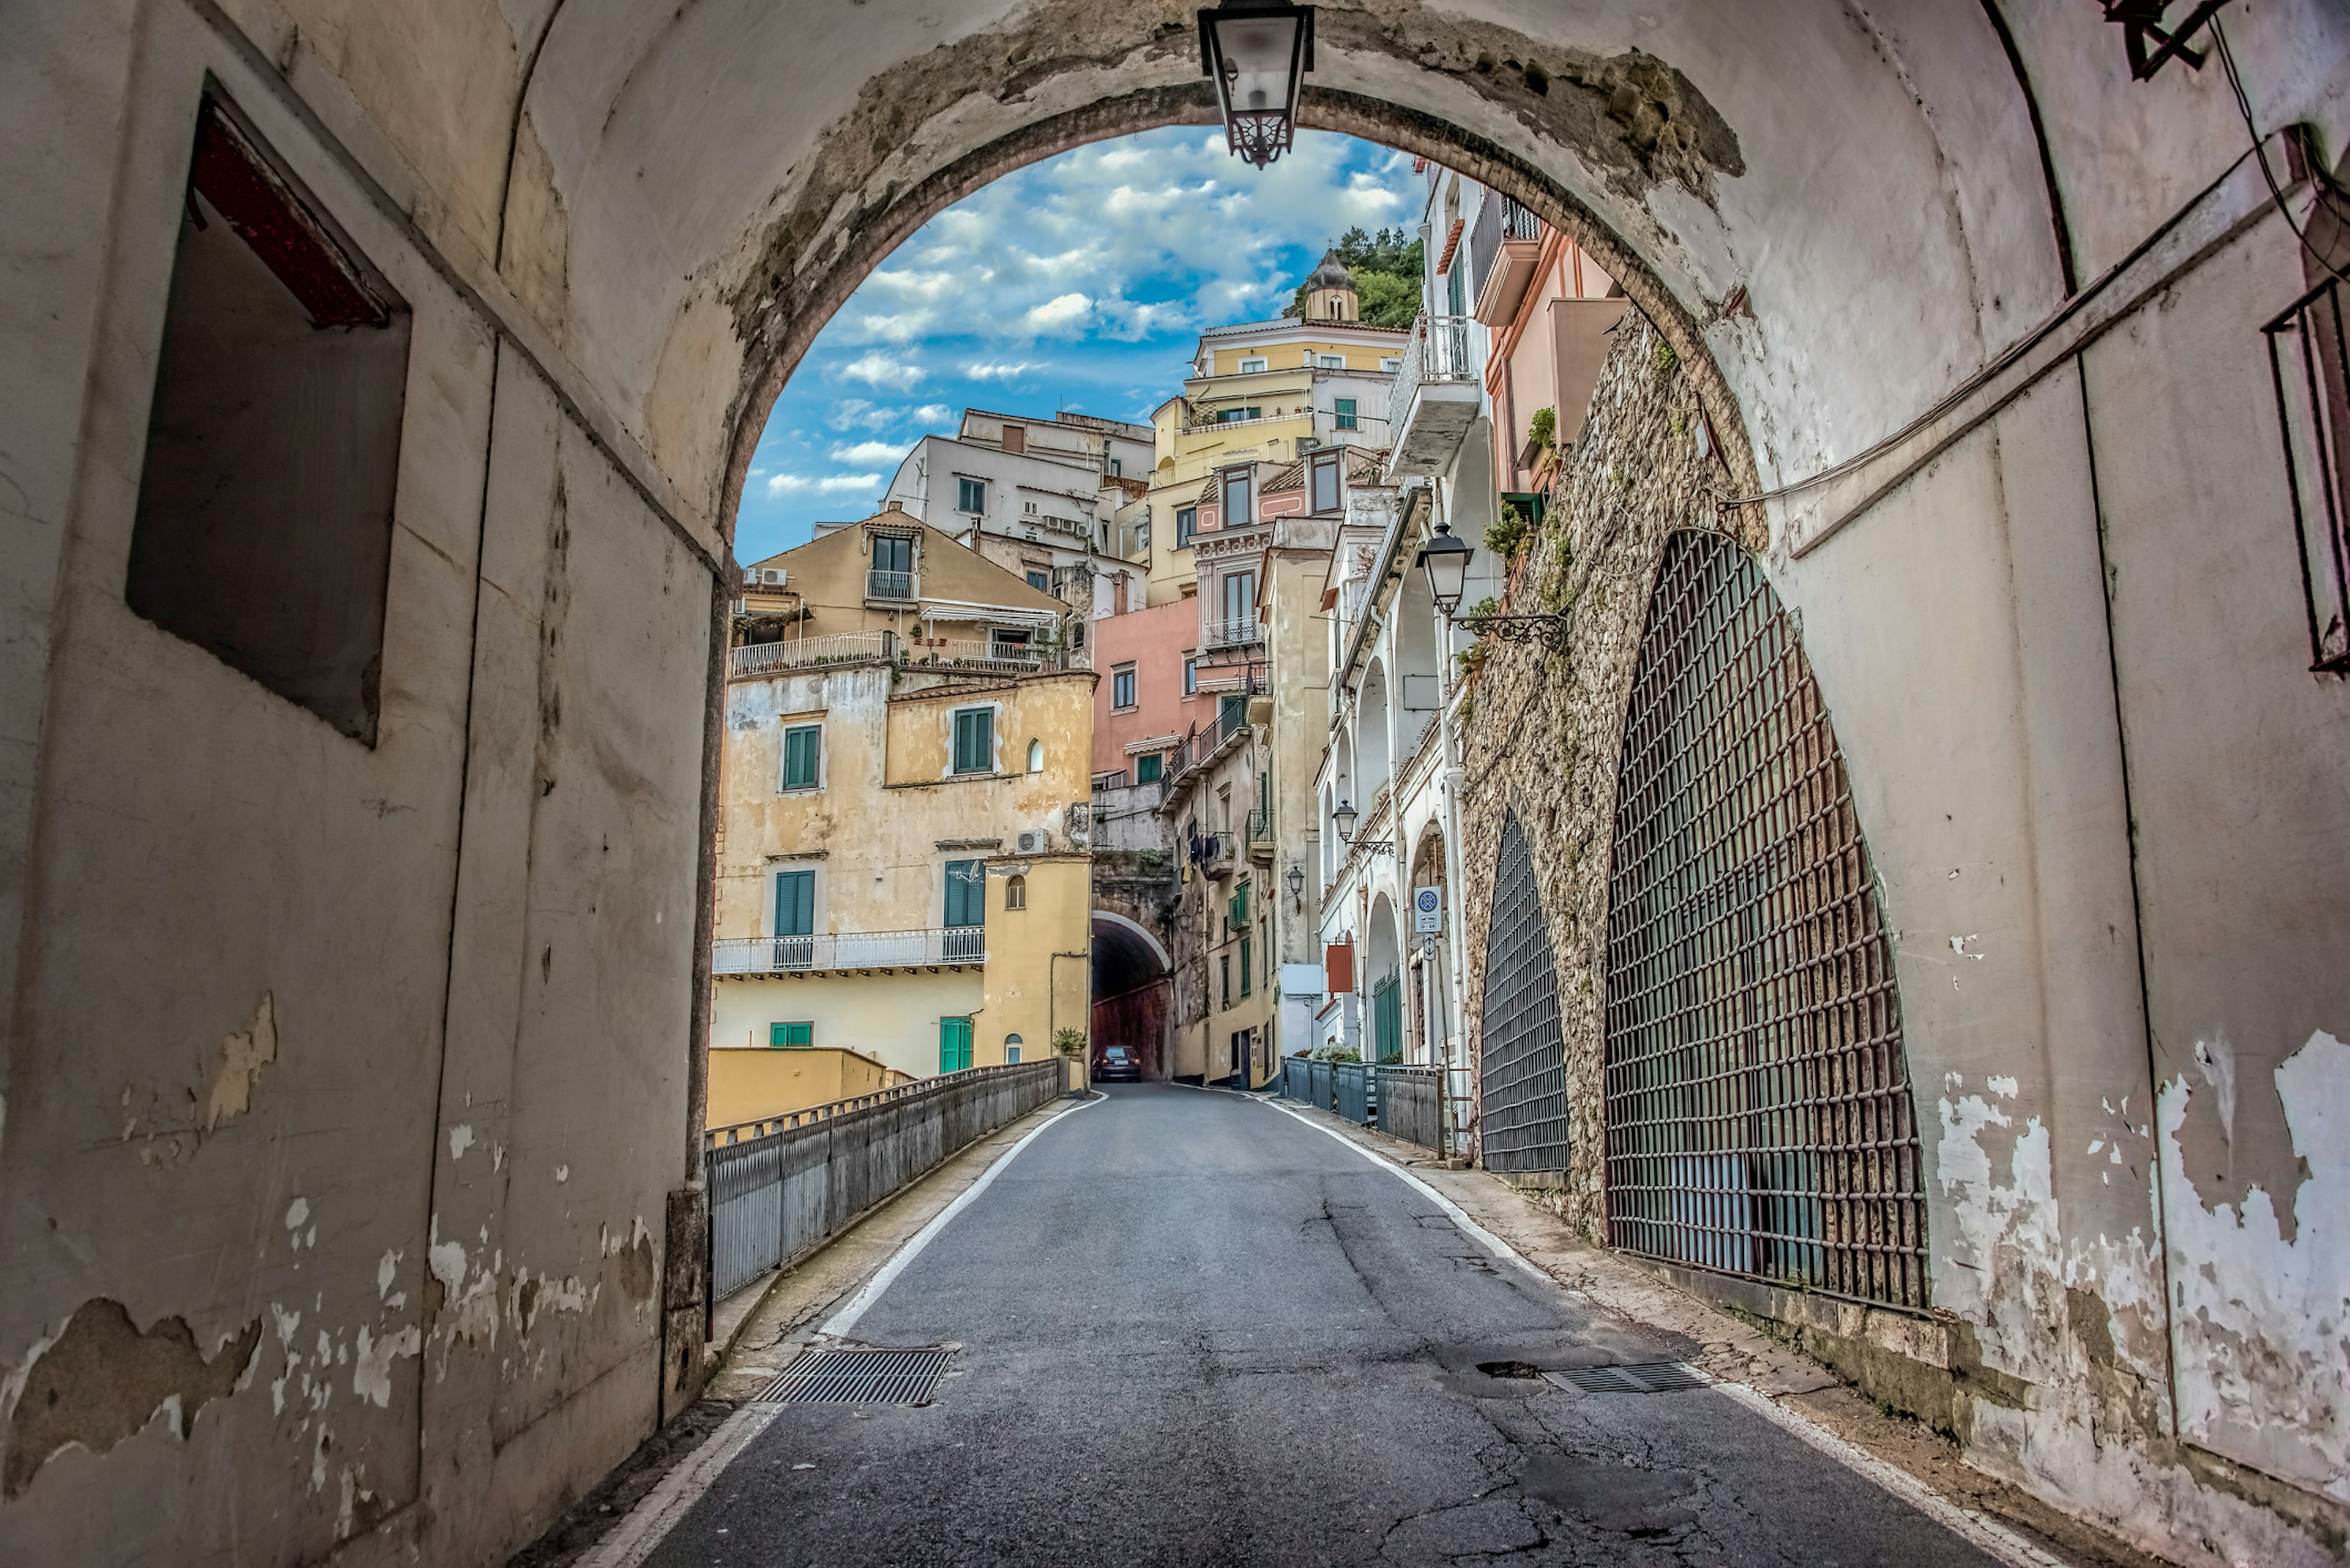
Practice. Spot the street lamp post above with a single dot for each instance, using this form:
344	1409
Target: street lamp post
1445	559
1257	53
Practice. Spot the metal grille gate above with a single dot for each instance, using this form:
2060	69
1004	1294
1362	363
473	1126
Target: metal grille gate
1521	1068
1758	1107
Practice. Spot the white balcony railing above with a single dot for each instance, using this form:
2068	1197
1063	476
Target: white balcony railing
1441	348
797	653
849	950
1239	631
1437	394
894	586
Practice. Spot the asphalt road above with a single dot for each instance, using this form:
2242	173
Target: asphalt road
1193	1329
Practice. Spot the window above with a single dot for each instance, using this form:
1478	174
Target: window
1016	438
892	553
1252	365
1347	414
264	527
1326	497
966	902
1391	363
1224	962
1116	467
1015	896
1245	970
1236	911
1234	415
795	903
1121	687
1235	494
1145	768
1333	361
1040	581
1010	1049
970	495
1240	598
791	1036
803	755
974	741
1190	676
1186	523
954	1044
1036	756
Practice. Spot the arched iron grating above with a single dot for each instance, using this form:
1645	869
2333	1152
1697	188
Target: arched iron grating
1758	1108
1521	1067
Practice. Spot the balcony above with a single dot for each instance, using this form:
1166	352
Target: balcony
1237	631
995	658
1439	390
893	587
1259	836
1217	853
799	652
1507	245
848	953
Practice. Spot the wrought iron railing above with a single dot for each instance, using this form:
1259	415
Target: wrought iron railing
1234	631
882	585
848	950
1440	349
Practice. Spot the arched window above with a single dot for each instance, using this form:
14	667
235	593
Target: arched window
1011	1048
1015	896
1036	756
1757	1095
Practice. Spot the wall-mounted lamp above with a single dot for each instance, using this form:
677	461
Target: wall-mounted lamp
1296	877
1345	817
1445	559
1257	53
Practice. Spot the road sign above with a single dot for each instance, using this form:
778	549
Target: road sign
1427	910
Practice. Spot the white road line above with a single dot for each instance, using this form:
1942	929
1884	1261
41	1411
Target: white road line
1459	1216
1978	1529
844	1320
633	1538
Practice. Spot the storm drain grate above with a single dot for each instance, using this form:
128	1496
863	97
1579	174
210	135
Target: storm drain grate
1649	1377
858	1377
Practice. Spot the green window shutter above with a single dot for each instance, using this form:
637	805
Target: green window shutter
1145	768
796	904
791	1036
1345	414
1248	971
966	902
954	1044
802	745
974	741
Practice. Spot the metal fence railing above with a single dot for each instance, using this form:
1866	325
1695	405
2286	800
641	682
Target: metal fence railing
886	584
848	950
1357	1096
781	1186
1408	1107
797	653
1440	349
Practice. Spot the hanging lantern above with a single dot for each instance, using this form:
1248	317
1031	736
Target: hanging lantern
1257	54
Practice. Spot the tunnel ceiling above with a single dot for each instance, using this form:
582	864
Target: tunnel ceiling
1123	960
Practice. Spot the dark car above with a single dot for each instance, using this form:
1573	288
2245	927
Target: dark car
1117	1066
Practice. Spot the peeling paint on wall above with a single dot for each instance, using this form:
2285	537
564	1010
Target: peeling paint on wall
2260	1314
244	1054
103	1380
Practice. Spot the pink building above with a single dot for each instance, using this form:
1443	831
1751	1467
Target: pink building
1142	706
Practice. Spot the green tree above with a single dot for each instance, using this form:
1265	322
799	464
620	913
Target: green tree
1387	269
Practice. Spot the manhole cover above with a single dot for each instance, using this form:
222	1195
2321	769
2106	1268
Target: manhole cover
858	1377
1649	1377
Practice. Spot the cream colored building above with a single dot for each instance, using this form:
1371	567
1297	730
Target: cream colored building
903	864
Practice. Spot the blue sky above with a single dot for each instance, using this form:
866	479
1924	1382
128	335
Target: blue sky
1081	282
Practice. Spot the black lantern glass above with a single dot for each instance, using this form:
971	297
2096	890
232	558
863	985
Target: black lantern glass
1445	559
1296	877
1345	817
1257	54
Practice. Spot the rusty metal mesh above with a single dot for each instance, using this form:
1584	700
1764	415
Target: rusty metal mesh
1758	1108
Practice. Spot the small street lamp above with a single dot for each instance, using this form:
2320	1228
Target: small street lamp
1445	559
1296	877
1256	52
1345	817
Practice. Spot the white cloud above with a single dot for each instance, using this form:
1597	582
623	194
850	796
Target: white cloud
1061	314
869	451
931	414
980	371
879	369
830	484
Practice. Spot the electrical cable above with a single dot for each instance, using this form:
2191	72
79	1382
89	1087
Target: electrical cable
2244	107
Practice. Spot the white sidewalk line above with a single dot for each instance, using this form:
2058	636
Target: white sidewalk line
1978	1529
633	1538
649	1523
842	1322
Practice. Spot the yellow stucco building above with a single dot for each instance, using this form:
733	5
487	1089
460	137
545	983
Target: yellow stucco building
903	866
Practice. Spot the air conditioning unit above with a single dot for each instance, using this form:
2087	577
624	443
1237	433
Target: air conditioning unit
1034	841
771	576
